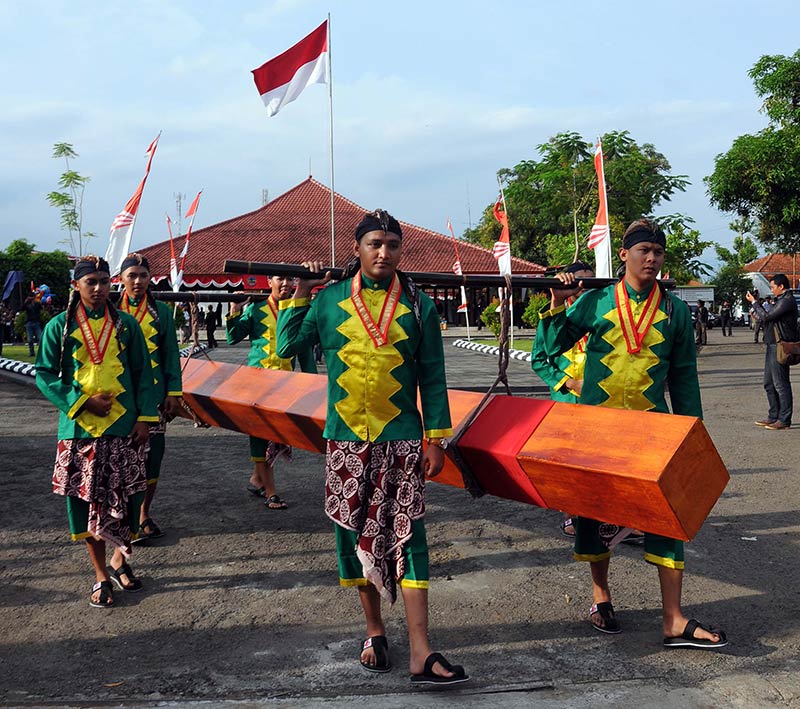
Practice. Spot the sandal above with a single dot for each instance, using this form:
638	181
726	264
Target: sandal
428	676
150	530
567	523
106	599
380	646
274	502
255	491
687	638
116	576
606	612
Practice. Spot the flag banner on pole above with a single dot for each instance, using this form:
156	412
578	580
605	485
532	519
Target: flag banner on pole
282	79
457	262
600	229
190	214
173	262
502	248
119	242
600	236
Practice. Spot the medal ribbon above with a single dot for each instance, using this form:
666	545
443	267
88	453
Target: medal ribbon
378	332
141	309
634	332
273	309
96	347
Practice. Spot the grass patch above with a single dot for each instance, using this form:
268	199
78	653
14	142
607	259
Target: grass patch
17	352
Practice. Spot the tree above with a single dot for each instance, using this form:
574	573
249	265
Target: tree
50	268
730	280
70	200
684	248
758	179
552	201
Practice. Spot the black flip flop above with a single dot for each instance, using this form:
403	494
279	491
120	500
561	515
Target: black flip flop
380	646
275	500
687	638
606	611
105	595
428	676
149	530
255	491
116	577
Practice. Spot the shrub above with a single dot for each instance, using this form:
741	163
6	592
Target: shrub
537	302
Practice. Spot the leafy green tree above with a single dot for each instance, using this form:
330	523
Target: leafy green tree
684	248
758	178
552	201
730	280
70	200
49	268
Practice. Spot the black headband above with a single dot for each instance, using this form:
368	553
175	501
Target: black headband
378	221
134	260
641	234
89	264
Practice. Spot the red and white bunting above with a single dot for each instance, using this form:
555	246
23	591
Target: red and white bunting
502	248
282	79
121	233
600	235
173	262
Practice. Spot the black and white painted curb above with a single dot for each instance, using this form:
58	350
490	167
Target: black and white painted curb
492	350
26	372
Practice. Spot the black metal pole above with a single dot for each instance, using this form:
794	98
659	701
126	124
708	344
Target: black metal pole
200	296
421	278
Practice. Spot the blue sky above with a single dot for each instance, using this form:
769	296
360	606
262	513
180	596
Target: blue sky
430	100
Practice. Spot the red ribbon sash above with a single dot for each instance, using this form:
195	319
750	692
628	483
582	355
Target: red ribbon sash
378	332
634	333
141	309
96	347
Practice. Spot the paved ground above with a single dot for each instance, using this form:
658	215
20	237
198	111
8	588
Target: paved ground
242	608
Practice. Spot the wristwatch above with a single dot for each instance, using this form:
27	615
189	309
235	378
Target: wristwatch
440	442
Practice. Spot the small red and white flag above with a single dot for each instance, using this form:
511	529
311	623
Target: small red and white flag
600	235
119	242
173	262
457	270
600	230
282	79
190	214
502	248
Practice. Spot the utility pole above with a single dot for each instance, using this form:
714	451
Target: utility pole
264	197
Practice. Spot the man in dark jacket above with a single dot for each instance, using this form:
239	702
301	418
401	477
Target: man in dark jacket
780	322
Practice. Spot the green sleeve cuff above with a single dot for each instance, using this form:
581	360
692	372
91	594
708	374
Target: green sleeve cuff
76	407
233	316
293	303
553	311
439	433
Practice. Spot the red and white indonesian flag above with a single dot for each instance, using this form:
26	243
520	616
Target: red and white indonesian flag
502	248
177	280
173	262
600	236
282	79
119	242
457	270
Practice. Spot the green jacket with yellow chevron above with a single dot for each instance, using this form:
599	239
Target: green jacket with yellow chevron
258	322
615	377
162	344
372	387
124	371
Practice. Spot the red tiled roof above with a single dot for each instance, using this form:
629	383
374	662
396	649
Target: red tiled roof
296	227
788	264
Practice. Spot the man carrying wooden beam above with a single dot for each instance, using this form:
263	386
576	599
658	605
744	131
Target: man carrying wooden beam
641	341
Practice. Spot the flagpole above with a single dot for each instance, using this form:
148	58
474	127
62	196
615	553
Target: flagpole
510	296
463	291
330	117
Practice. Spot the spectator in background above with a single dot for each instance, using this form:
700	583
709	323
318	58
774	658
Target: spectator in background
726	318
779	323
33	323
701	326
